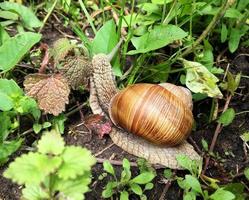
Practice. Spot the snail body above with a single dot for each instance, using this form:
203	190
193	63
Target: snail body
159	113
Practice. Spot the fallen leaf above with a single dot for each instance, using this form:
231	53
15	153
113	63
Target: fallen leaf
51	91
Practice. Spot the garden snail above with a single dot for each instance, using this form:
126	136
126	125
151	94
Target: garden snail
103	93
154	112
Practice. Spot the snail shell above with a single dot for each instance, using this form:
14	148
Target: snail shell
159	113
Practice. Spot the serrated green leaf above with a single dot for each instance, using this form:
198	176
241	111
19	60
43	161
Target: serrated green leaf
148	186
22	44
124	195
34	192
104	41
223	33
7	148
227	117
193	183
157	38
51	143
143	178
222	194
27	16
234	39
32	168
109	168
136	189
76	161
73	189
200	80
246	172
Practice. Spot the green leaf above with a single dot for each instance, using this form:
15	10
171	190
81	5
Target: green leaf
143	178
222	194
21	43
27	16
190	196
237	189
244	136
73	188
246	172
234	39
109	189
193	183
31	168
161	2
148	186
204	144
206	57
7	148
10	88
4	36
233	82
136	189
227	117
109	168
124	195
167	173
157	38
5	126
46	125
104	41
126	164
223	33
200	80
37	128
76	161
233	13
6	102
34	192
51	143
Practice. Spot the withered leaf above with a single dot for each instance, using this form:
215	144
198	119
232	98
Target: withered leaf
76	70
51	91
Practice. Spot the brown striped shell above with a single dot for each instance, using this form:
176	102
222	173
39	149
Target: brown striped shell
159	113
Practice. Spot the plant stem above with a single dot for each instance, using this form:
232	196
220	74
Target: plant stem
47	16
166	21
211	25
82	5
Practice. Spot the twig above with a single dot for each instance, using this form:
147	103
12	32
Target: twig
195	145
211	25
100	152
115	162
45	59
165	190
75	110
216	133
47	16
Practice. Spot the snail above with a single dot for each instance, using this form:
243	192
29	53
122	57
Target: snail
176	119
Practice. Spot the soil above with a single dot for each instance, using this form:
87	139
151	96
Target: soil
230	155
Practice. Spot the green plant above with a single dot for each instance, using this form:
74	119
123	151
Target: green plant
13	104
193	188
127	185
54	171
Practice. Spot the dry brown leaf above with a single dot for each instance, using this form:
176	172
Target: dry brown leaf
77	71
51	91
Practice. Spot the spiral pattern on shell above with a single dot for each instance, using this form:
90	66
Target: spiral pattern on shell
152	112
